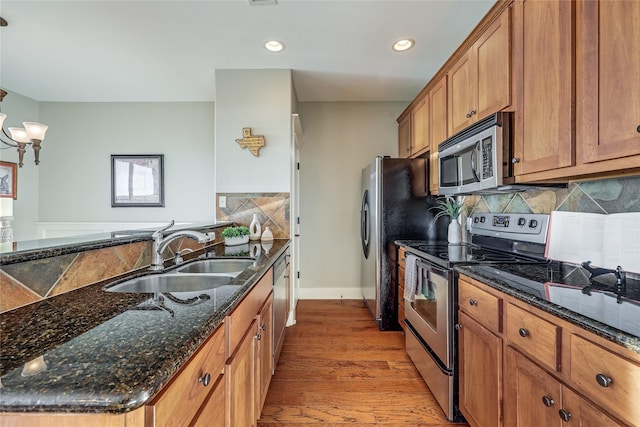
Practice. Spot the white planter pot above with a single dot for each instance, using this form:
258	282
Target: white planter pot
454	234
233	241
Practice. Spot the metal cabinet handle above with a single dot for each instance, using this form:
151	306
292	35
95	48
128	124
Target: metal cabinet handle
523	332
263	327
638	129
473	302
566	416
515	160
258	337
205	379
548	402
468	115
458	326
473	112
604	380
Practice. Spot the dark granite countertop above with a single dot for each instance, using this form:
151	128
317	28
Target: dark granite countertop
42	248
534	297
104	351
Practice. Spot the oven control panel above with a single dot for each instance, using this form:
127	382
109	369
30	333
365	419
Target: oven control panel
523	227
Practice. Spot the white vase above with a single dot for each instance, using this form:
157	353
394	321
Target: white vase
255	230
454	234
267	236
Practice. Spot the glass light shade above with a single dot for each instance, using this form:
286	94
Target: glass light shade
2	117
274	46
19	135
35	130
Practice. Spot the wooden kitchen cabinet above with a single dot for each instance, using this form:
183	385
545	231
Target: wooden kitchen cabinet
507	379
241	379
265	352
608	80
480	355
413	138
479	83
544	74
213	412
437	128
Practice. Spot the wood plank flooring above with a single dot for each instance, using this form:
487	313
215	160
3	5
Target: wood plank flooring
336	368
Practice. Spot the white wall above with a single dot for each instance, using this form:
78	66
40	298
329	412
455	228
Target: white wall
339	139
25	209
75	170
260	100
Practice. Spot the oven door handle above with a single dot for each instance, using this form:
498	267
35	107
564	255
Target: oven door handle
432	268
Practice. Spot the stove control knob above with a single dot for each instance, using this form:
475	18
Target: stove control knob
476	220
533	223
522	222
482	219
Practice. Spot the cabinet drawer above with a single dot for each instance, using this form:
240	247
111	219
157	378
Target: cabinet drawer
179	402
213	411
537	337
606	378
480	305
239	320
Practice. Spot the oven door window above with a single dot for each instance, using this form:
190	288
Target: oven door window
426	304
449	171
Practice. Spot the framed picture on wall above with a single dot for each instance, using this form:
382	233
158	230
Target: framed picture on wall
137	180
8	180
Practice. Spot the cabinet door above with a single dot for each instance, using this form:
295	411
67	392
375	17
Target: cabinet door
213	413
419	120
532	398
240	382
608	85
437	128
480	374
404	137
582	413
493	53
544	34
265	352
460	93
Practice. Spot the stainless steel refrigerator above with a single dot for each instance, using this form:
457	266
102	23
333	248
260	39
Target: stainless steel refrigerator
395	206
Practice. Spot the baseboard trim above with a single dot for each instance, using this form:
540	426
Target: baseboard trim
330	293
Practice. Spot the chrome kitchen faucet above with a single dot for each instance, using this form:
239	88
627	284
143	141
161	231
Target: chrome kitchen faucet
160	243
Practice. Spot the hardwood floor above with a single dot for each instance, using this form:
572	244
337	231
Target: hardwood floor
337	368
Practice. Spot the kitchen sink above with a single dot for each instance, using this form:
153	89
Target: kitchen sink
161	283
231	267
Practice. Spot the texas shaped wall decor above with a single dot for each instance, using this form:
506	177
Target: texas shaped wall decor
252	142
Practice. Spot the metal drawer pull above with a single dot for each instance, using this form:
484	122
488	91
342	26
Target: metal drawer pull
205	380
548	402
263	327
258	337
473	302
604	380
458	326
523	332
566	416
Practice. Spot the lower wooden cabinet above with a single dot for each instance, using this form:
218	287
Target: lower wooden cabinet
265	353
526	367
240	377
213	412
480	373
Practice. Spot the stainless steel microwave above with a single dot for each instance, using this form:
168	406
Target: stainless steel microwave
477	159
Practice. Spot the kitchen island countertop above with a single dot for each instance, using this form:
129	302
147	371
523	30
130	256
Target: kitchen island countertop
90	350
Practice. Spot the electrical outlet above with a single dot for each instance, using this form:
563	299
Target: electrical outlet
212	236
222	201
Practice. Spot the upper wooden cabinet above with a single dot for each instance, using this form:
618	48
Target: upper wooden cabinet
608	83
544	72
413	137
479	83
437	128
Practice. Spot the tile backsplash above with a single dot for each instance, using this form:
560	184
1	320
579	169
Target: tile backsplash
606	196
272	210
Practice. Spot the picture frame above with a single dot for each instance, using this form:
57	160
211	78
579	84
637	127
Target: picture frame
8	180
137	180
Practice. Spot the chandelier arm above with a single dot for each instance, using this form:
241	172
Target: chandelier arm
11	142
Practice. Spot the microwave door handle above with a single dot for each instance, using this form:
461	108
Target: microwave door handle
473	161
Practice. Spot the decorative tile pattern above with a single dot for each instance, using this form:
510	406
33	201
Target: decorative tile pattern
272	210
13	294
40	275
605	196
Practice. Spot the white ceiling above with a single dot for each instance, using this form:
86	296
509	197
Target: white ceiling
156	50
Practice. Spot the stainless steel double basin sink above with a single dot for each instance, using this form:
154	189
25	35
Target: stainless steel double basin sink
199	275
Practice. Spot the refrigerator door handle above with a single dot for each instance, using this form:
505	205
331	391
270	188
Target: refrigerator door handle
365	225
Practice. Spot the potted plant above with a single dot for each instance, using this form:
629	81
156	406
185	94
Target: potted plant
453	208
235	235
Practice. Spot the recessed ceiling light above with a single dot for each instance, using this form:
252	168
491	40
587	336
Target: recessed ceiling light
274	46
403	44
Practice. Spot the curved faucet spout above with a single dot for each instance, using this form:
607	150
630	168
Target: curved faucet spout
160	243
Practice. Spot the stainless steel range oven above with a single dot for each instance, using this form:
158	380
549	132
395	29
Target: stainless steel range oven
431	313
